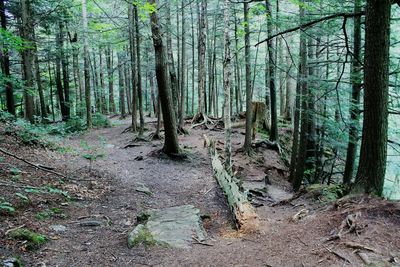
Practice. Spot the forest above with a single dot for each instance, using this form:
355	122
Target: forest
199	133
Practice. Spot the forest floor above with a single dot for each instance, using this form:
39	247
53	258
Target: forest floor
90	228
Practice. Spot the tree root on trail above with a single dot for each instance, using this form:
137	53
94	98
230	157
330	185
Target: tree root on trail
38	166
155	136
159	153
268	145
202	120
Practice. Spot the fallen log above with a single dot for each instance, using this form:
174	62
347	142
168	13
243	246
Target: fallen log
245	216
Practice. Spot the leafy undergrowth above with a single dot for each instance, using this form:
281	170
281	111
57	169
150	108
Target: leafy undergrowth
46	135
33	199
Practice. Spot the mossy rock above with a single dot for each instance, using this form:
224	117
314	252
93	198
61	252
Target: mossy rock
326	193
141	236
34	240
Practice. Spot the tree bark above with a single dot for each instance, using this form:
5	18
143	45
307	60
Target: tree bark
249	91
139	73
171	145
372	167
27	60
183	71
302	148
273	137
86	65
356	80
5	59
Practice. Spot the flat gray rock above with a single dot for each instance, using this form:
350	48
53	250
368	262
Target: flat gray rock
58	228
143	189
175	227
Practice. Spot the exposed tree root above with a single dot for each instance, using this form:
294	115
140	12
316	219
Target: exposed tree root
203	120
268	145
155	136
38	166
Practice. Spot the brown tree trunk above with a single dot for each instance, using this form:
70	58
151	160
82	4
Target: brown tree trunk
139	73
372	167
5	60
356	79
86	65
110	76
171	145
249	91
27	60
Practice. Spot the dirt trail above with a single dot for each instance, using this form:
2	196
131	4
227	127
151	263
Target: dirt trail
280	242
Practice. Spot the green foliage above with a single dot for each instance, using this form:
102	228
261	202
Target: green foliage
47	190
6	117
24	198
144	237
101	121
327	193
11	41
49	213
34	240
6	206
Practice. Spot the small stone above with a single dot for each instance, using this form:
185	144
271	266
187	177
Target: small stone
58	228
143	189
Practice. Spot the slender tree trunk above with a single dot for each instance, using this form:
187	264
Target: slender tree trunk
249	91
302	148
183	70
171	64
86	64
171	145
193	58
202	58
51	91
356	79
5	59
139	73
43	111
372	167
132	41
227	90
65	73
238	91
272	76
102	84
27	60
110	75
121	85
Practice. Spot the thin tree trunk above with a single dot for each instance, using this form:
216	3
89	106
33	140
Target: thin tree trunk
171	145
86	65
27	60
227	90
272	76
183	70
132	41
5	59
302	147
121	85
249	91
110	74
139	73
356	79
202	58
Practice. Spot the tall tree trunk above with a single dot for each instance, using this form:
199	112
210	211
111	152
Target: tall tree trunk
86	64
227	90
110	76
102	84
65	73
372	167
193	59
51	91
171	64
139	73
356	79
202	58
27	60
5	59
272	76
43	111
249	91
121	85
132	41
238	91
183	70
171	145
302	147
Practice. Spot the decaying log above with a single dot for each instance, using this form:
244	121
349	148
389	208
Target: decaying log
244	214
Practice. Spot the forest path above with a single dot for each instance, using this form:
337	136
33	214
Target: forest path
172	183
